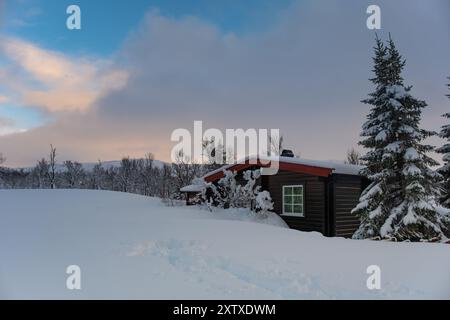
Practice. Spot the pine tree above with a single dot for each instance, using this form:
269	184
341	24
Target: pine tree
373	206
400	201
445	169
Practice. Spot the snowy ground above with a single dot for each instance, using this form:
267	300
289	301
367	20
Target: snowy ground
129	246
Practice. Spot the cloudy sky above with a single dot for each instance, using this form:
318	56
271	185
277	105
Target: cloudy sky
139	69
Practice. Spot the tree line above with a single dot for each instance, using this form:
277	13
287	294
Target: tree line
141	176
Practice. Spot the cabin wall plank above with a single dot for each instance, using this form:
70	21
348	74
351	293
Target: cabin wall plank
314	219
347	190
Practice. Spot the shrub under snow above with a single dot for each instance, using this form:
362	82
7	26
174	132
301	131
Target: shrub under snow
228	193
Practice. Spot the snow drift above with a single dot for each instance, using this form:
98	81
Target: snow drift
130	246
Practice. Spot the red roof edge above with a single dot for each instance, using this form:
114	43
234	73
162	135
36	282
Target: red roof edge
285	166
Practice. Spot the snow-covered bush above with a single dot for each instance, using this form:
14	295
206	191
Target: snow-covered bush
264	203
229	193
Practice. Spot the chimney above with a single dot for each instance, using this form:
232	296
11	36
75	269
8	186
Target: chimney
287	153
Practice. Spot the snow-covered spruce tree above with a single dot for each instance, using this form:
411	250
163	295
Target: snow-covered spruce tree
400	203
445	169
373	206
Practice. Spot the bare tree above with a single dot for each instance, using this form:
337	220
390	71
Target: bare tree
111	178
148	175
2	173
97	176
124	174
74	173
128	174
215	153
184	170
353	157
149	159
276	145
52	167
41	172
166	188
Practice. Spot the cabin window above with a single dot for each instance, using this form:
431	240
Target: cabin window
293	201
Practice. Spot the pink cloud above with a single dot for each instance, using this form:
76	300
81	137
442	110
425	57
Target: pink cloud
56	82
3	99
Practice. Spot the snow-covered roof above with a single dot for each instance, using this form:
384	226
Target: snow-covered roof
336	167
192	188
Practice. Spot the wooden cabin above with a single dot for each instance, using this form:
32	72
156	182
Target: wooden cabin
308	195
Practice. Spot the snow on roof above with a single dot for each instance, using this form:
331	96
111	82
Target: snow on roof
192	188
336	167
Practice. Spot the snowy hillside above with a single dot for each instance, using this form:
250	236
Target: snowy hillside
130	246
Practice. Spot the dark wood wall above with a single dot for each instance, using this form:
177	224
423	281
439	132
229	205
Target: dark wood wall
315	201
328	201
346	190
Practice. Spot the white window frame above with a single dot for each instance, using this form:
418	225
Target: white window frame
290	214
